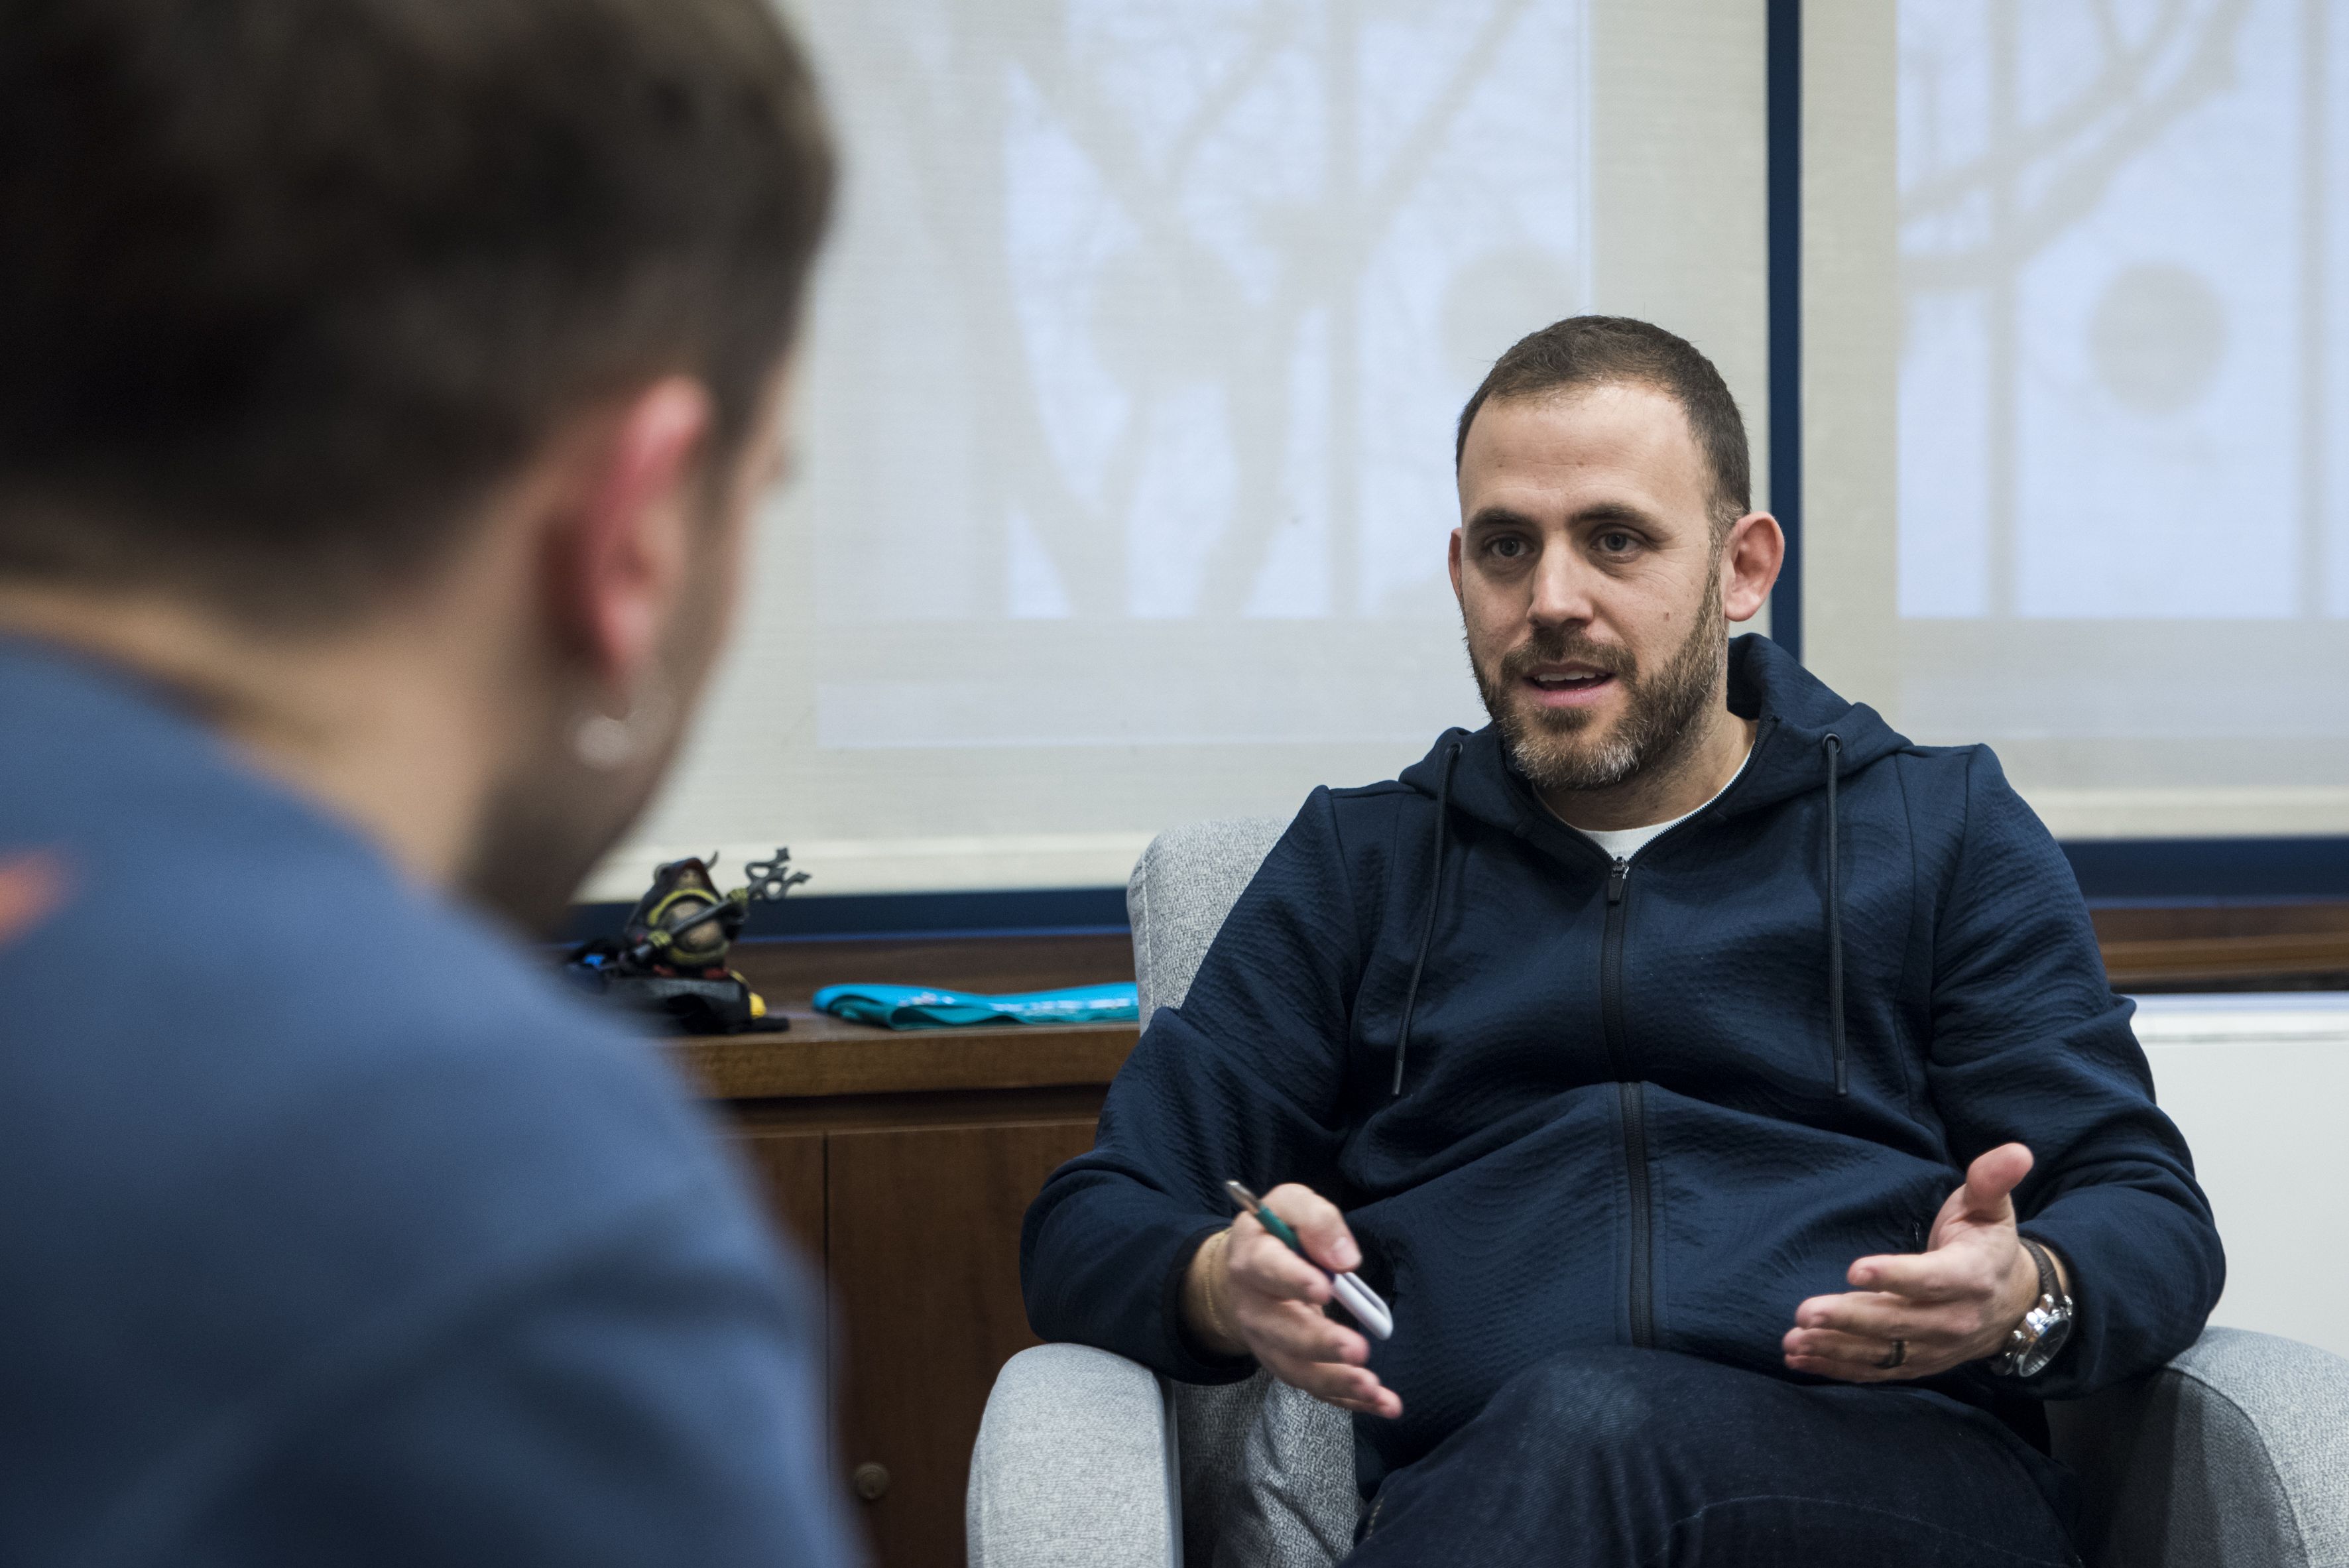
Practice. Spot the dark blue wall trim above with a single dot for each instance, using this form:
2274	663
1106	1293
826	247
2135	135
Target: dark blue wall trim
2111	870
1027	912
2206	871
1784	115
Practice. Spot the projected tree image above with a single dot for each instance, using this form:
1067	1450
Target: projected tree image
2126	314
1123	436
1197	288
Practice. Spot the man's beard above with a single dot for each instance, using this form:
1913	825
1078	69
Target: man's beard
545	826
1551	747
548	823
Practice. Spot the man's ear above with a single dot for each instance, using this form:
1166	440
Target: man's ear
1452	556
1749	559
622	537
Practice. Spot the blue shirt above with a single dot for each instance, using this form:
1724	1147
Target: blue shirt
332	1230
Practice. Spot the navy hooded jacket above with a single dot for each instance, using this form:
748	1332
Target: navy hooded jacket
1631	1111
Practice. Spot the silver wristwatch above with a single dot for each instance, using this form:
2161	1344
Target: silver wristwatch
2037	1339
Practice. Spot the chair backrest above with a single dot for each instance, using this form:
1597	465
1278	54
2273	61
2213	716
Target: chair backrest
1182	887
1267	1472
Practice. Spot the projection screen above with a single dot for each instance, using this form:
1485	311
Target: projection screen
1125	426
2077	428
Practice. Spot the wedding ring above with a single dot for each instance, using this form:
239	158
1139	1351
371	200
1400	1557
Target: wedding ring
1899	1354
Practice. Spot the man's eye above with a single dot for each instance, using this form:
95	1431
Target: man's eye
1615	542
1507	546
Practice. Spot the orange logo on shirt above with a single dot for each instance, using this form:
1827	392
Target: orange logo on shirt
30	887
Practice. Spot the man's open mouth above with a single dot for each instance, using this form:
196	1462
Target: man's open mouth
1565	690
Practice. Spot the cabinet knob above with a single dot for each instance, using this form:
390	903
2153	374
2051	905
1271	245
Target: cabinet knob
870	1481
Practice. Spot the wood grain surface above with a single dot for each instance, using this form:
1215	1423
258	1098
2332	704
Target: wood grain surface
2226	947
790	1169
823	1057
796	970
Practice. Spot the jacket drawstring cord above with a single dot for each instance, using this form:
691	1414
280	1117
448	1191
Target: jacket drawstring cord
1435	898
1832	745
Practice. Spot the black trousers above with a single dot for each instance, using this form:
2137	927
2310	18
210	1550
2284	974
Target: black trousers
1618	1457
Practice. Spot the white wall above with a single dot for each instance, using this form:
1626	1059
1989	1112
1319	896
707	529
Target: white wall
2257	1084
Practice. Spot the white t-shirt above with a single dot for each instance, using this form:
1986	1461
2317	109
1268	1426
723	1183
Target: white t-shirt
1622	843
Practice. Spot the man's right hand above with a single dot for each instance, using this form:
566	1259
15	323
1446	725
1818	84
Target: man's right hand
1246	1292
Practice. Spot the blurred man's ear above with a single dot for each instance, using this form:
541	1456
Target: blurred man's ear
621	534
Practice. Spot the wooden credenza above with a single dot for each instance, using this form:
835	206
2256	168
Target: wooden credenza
903	1163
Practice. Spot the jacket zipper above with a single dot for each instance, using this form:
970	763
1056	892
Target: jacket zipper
1635	1112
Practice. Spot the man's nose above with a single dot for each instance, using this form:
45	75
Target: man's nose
1562	589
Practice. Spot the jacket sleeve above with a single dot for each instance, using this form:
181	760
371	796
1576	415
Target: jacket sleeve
1243	1081
2030	1045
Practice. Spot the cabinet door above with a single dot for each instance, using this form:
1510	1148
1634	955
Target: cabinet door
924	1232
789	1170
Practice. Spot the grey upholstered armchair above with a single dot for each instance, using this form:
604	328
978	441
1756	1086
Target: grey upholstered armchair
2234	1456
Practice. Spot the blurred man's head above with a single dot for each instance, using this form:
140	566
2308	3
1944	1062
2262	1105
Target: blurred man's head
453	330
1607	538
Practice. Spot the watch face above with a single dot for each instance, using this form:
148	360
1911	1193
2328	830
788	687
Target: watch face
2050	1326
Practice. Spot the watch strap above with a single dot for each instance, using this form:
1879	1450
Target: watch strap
2051	1283
2025	1338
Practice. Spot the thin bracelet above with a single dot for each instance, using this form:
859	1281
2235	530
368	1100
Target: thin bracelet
1221	1241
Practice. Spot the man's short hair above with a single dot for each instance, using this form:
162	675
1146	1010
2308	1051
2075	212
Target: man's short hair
287	289
1616	350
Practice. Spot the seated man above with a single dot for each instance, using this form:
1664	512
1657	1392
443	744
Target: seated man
1724	1092
385	386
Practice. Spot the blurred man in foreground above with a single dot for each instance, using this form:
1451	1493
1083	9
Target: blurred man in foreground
384	388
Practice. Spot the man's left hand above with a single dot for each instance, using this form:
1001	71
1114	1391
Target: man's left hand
1956	1302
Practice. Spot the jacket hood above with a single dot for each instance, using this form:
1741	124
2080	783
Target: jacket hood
1796	713
1808	738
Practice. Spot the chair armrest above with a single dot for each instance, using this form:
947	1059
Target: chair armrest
2236	1453
1075	1466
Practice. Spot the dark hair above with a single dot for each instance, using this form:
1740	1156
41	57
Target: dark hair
287	289
1598	350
